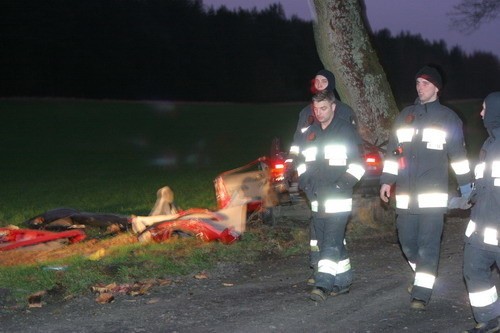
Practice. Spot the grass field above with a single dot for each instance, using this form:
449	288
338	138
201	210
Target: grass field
106	156
111	156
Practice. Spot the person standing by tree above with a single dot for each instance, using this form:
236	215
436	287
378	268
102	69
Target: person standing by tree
323	81
424	139
481	249
329	165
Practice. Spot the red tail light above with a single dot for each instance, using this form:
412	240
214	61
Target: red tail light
279	166
371	160
373	163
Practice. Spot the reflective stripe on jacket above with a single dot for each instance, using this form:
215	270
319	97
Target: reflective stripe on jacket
425	140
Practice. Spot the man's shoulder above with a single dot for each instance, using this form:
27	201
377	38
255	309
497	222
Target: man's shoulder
306	109
448	113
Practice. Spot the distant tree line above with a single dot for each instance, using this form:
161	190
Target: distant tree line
178	50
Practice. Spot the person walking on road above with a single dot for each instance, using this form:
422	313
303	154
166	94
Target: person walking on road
482	251
323	81
425	138
329	165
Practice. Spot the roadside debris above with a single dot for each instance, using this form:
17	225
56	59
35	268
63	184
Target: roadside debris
238	191
13	238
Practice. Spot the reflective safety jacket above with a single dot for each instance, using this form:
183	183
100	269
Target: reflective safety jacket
424	140
483	229
329	165
306	119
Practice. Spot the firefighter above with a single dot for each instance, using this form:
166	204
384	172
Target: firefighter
482	249
425	138
324	80
329	165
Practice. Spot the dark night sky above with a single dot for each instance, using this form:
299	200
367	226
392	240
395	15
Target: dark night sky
425	17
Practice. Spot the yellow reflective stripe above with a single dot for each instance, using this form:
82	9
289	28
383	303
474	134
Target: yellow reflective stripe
327	266
483	298
461	168
343	266
314	206
479	170
432	200
424	280
434	135
294	150
471	227
405	134
490	236
495	169
310	154
391	167
356	170
301	168
402	201
338	205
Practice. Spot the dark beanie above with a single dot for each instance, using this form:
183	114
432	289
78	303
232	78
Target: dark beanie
330	77
430	74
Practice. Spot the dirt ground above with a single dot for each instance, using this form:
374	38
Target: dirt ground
272	296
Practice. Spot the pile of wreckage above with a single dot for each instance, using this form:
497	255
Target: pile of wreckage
238	192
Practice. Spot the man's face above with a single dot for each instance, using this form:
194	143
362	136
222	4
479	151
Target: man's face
320	83
427	92
324	112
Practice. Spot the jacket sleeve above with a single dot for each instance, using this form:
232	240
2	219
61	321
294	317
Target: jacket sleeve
458	154
391	164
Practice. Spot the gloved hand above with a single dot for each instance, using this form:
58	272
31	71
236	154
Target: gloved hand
462	202
459	203
466	190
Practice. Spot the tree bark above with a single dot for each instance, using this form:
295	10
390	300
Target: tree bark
344	47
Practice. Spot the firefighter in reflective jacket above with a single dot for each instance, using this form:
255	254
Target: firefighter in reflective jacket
482	249
425	138
329	165
324	80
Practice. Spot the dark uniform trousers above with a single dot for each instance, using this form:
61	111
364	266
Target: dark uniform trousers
329	230
420	238
477	273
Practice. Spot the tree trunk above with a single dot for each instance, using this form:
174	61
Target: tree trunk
344	47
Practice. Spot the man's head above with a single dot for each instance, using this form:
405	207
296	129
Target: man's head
323	104
491	111
324	80
428	84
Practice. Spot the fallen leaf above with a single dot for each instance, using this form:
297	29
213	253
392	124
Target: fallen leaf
201	276
97	255
153	300
164	282
105	298
35	300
